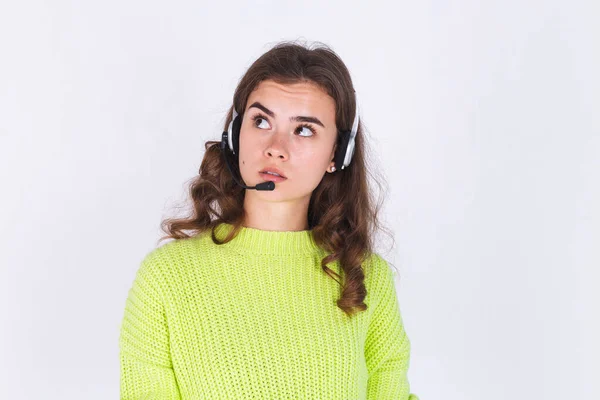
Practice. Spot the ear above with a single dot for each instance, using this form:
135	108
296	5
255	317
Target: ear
331	164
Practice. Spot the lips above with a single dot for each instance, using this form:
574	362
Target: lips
273	169
272	178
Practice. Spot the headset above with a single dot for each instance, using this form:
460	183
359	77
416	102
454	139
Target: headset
342	158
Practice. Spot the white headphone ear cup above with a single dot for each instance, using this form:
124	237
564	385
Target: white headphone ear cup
352	138
230	138
352	135
349	153
230	131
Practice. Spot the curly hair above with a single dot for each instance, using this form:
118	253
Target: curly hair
342	213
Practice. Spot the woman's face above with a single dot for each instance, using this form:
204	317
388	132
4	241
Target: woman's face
292	128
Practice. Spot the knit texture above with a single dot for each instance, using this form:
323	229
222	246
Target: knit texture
256	318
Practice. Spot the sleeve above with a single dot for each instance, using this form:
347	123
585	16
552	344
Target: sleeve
387	347
146	371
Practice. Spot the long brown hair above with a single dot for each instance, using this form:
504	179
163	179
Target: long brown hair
342	213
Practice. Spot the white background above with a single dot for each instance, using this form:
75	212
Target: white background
483	116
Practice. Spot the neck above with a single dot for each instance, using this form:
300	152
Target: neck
275	216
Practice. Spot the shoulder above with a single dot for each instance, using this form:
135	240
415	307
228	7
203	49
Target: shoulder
169	251
379	276
173	256
377	268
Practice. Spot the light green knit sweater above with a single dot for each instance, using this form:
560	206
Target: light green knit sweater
256	318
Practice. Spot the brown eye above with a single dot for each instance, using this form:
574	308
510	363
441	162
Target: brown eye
308	128
258	119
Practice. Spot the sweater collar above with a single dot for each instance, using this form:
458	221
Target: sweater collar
257	241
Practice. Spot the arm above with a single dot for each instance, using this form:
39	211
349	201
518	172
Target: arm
145	359
387	347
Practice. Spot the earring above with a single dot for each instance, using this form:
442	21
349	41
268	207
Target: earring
332	168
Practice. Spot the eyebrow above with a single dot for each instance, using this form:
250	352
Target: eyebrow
298	118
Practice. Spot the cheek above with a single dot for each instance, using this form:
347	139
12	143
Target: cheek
247	150
315	157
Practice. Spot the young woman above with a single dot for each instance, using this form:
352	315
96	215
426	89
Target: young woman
273	293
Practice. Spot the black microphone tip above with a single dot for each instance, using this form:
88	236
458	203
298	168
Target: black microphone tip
268	185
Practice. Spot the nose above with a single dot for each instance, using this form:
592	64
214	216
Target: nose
276	148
